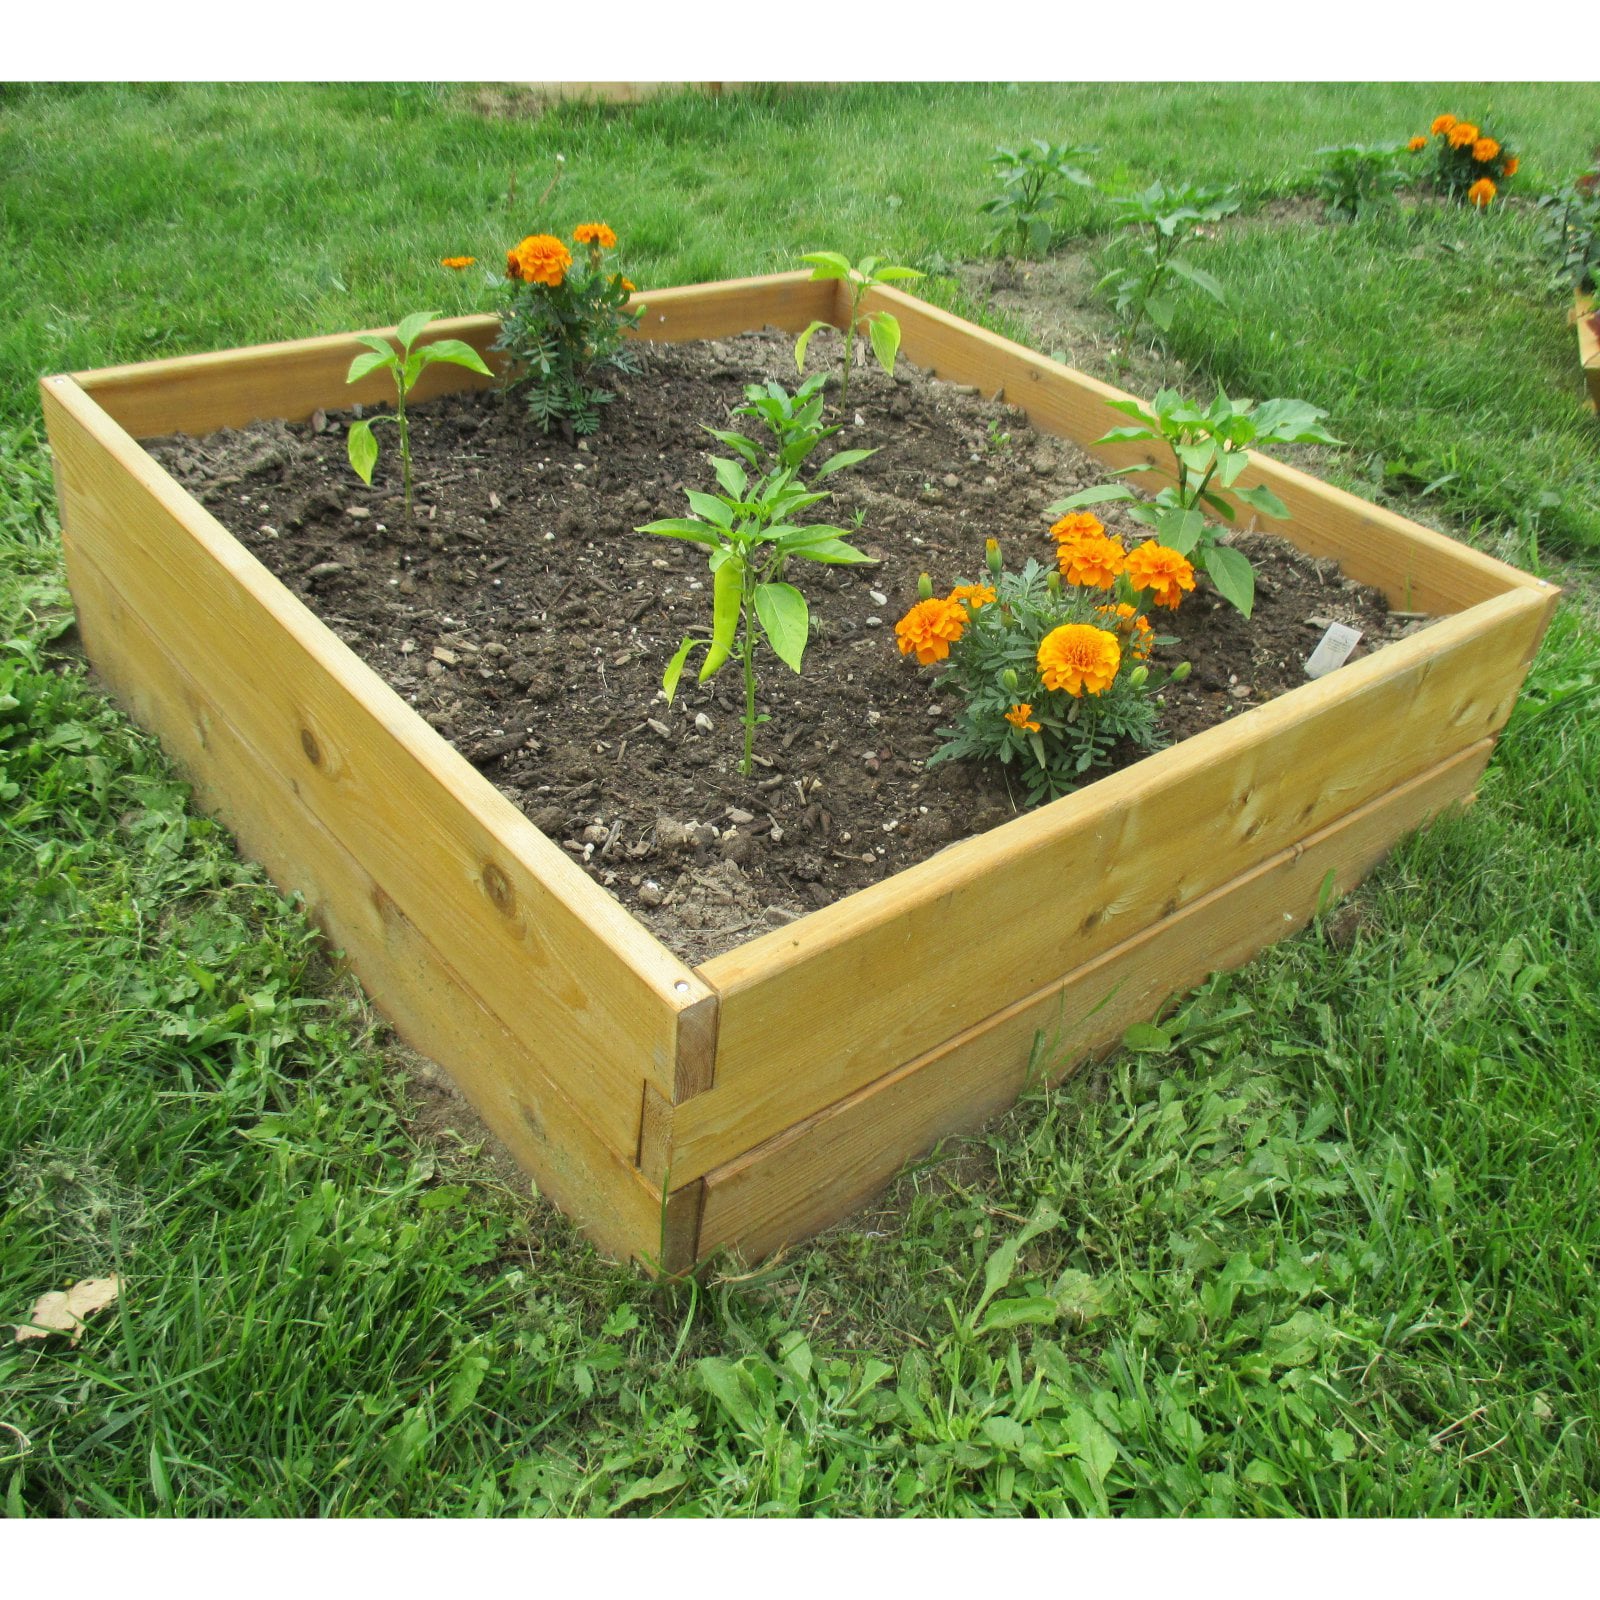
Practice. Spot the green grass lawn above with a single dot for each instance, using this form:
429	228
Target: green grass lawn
1331	1252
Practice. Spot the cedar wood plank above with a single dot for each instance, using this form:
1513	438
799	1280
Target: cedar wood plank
819	1170
584	986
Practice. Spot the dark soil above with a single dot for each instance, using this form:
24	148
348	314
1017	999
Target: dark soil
525	620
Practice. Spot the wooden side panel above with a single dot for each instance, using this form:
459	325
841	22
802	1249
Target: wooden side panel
428	1002
231	388
891	971
1588	347
815	1173
586	990
1417	569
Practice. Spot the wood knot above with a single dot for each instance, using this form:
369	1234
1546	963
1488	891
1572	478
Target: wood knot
498	888
308	743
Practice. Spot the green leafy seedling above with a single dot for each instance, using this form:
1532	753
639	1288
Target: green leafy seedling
1211	449
406	365
883	327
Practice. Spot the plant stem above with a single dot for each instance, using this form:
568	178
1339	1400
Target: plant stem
405	442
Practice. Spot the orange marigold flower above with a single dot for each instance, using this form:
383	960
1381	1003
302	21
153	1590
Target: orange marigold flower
629	285
540	258
456	263
595	233
1510	168
1482	192
1485	150
1443	123
1019	717
1131	628
929	628
1464	133
1417	141
974	594
1091	560
1077	656
1162	571
1077	524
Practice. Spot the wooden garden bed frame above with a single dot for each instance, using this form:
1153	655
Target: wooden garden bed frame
1583	310
675	1111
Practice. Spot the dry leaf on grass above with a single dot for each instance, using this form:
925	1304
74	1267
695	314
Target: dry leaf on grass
63	1310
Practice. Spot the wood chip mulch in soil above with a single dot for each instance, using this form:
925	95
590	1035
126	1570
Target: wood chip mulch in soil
522	616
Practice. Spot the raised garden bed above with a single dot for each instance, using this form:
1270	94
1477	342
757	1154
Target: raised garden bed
1588	321
673	1109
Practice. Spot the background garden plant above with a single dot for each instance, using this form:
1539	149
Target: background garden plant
1319	1245
566	318
1158	224
1469	163
1034	179
1357	179
405	367
883	327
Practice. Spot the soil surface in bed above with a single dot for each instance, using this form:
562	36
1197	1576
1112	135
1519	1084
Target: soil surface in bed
522	617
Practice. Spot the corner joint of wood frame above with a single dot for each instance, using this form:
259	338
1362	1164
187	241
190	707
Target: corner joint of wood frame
694	1069
680	1229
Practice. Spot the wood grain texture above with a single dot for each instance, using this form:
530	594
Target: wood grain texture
585	988
1418	569
1588	347
894	969
429	1003
829	1165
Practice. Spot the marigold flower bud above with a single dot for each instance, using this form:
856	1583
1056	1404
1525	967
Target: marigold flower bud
925	587
1139	676
1009	679
1053	583
991	554
1180	672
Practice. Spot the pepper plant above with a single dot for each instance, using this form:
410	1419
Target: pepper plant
883	327
1166	219
1033	181
1211	449
749	532
407	366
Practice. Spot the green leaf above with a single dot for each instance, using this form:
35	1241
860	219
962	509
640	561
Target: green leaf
371	362
801	343
1160	309
833	553
844	458
681	528
724	1382
458	353
884	331
1039	1310
374	341
1264	500
451	1194
669	678
731	476
736	441
1180	530
1233	575
727	589
1200	278
785	620
362	449
827	264
1118	435
411	326
896	274
709	507
1099	495
1146	1036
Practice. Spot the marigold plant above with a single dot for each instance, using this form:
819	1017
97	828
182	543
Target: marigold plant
566	321
458	263
1161	571
1470	163
1052	676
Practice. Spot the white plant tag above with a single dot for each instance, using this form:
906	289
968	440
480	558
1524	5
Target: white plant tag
1333	650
